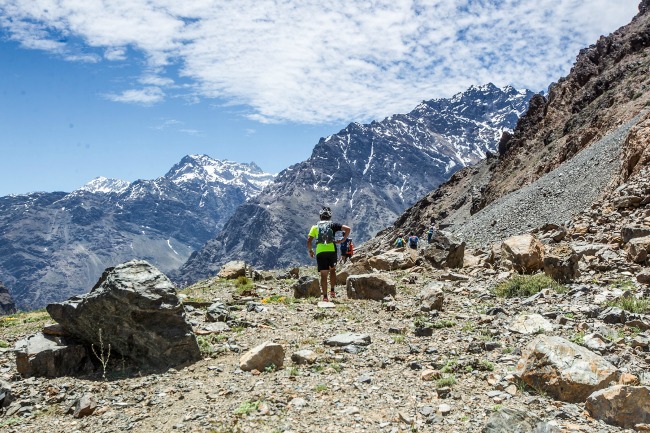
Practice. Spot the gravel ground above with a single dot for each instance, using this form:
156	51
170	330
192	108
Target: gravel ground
554	198
379	388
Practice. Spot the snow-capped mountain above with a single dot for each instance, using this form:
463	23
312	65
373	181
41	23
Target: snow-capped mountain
55	245
369	174
105	185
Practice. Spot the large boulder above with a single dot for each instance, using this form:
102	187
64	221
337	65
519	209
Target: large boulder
631	232
524	253
392	260
370	286
638	249
444	251
233	270
562	268
42	355
563	369
621	405
134	309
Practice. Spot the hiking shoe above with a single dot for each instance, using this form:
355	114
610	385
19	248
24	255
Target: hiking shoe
325	299
332	294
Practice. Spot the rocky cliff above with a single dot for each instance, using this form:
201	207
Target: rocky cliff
600	110
368	174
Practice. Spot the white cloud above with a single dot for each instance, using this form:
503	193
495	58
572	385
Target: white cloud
323	61
145	96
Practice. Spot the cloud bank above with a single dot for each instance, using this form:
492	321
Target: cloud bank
317	62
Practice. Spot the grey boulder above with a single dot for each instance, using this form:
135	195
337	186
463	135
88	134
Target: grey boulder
134	309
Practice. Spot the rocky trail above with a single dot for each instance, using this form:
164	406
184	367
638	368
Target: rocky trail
456	379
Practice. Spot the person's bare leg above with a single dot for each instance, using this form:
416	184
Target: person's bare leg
323	283
333	278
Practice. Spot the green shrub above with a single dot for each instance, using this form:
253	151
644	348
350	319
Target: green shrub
247	407
243	284
446	381
631	304
526	285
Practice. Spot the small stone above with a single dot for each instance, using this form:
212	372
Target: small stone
444	409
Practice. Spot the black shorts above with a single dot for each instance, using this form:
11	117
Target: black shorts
326	260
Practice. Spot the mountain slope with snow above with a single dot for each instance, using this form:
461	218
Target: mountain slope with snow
369	174
55	245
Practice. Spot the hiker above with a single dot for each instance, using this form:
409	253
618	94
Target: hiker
430	234
399	242
347	249
325	255
413	241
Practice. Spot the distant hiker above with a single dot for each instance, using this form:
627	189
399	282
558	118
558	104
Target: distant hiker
413	241
347	249
430	234
325	255
399	242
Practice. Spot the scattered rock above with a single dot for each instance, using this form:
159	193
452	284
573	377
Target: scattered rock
510	420
432	297
562	268
392	260
260	357
530	324
348	339
233	270
85	406
444	251
307	287
304	357
218	312
621	405
638	249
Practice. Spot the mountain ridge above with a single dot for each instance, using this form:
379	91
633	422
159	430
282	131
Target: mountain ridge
55	245
367	173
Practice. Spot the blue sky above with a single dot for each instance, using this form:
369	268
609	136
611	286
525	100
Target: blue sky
126	88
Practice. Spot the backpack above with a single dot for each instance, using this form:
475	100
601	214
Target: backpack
400	242
413	242
325	232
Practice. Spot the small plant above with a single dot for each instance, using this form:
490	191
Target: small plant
578	338
10	421
247	407
317	368
321	387
449	367
631	304
527	285
398	338
468	327
270	368
103	357
623	284
243	284
421	321
4	344
336	367
569	315
486	365
208	343
444	323
277	299
293	371
446	381
497	407
508	350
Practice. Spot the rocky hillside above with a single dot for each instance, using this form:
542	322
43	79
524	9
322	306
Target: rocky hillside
570	148
368	174
55	245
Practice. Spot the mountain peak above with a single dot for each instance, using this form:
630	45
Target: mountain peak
105	185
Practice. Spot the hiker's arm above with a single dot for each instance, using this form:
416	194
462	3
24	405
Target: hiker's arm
346	233
309	245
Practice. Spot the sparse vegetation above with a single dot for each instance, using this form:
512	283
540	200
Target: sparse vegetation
446	381
321	387
486	365
439	324
578	338
208	343
631	304
243	285
247	407
527	285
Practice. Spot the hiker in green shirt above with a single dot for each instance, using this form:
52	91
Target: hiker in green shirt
325	255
